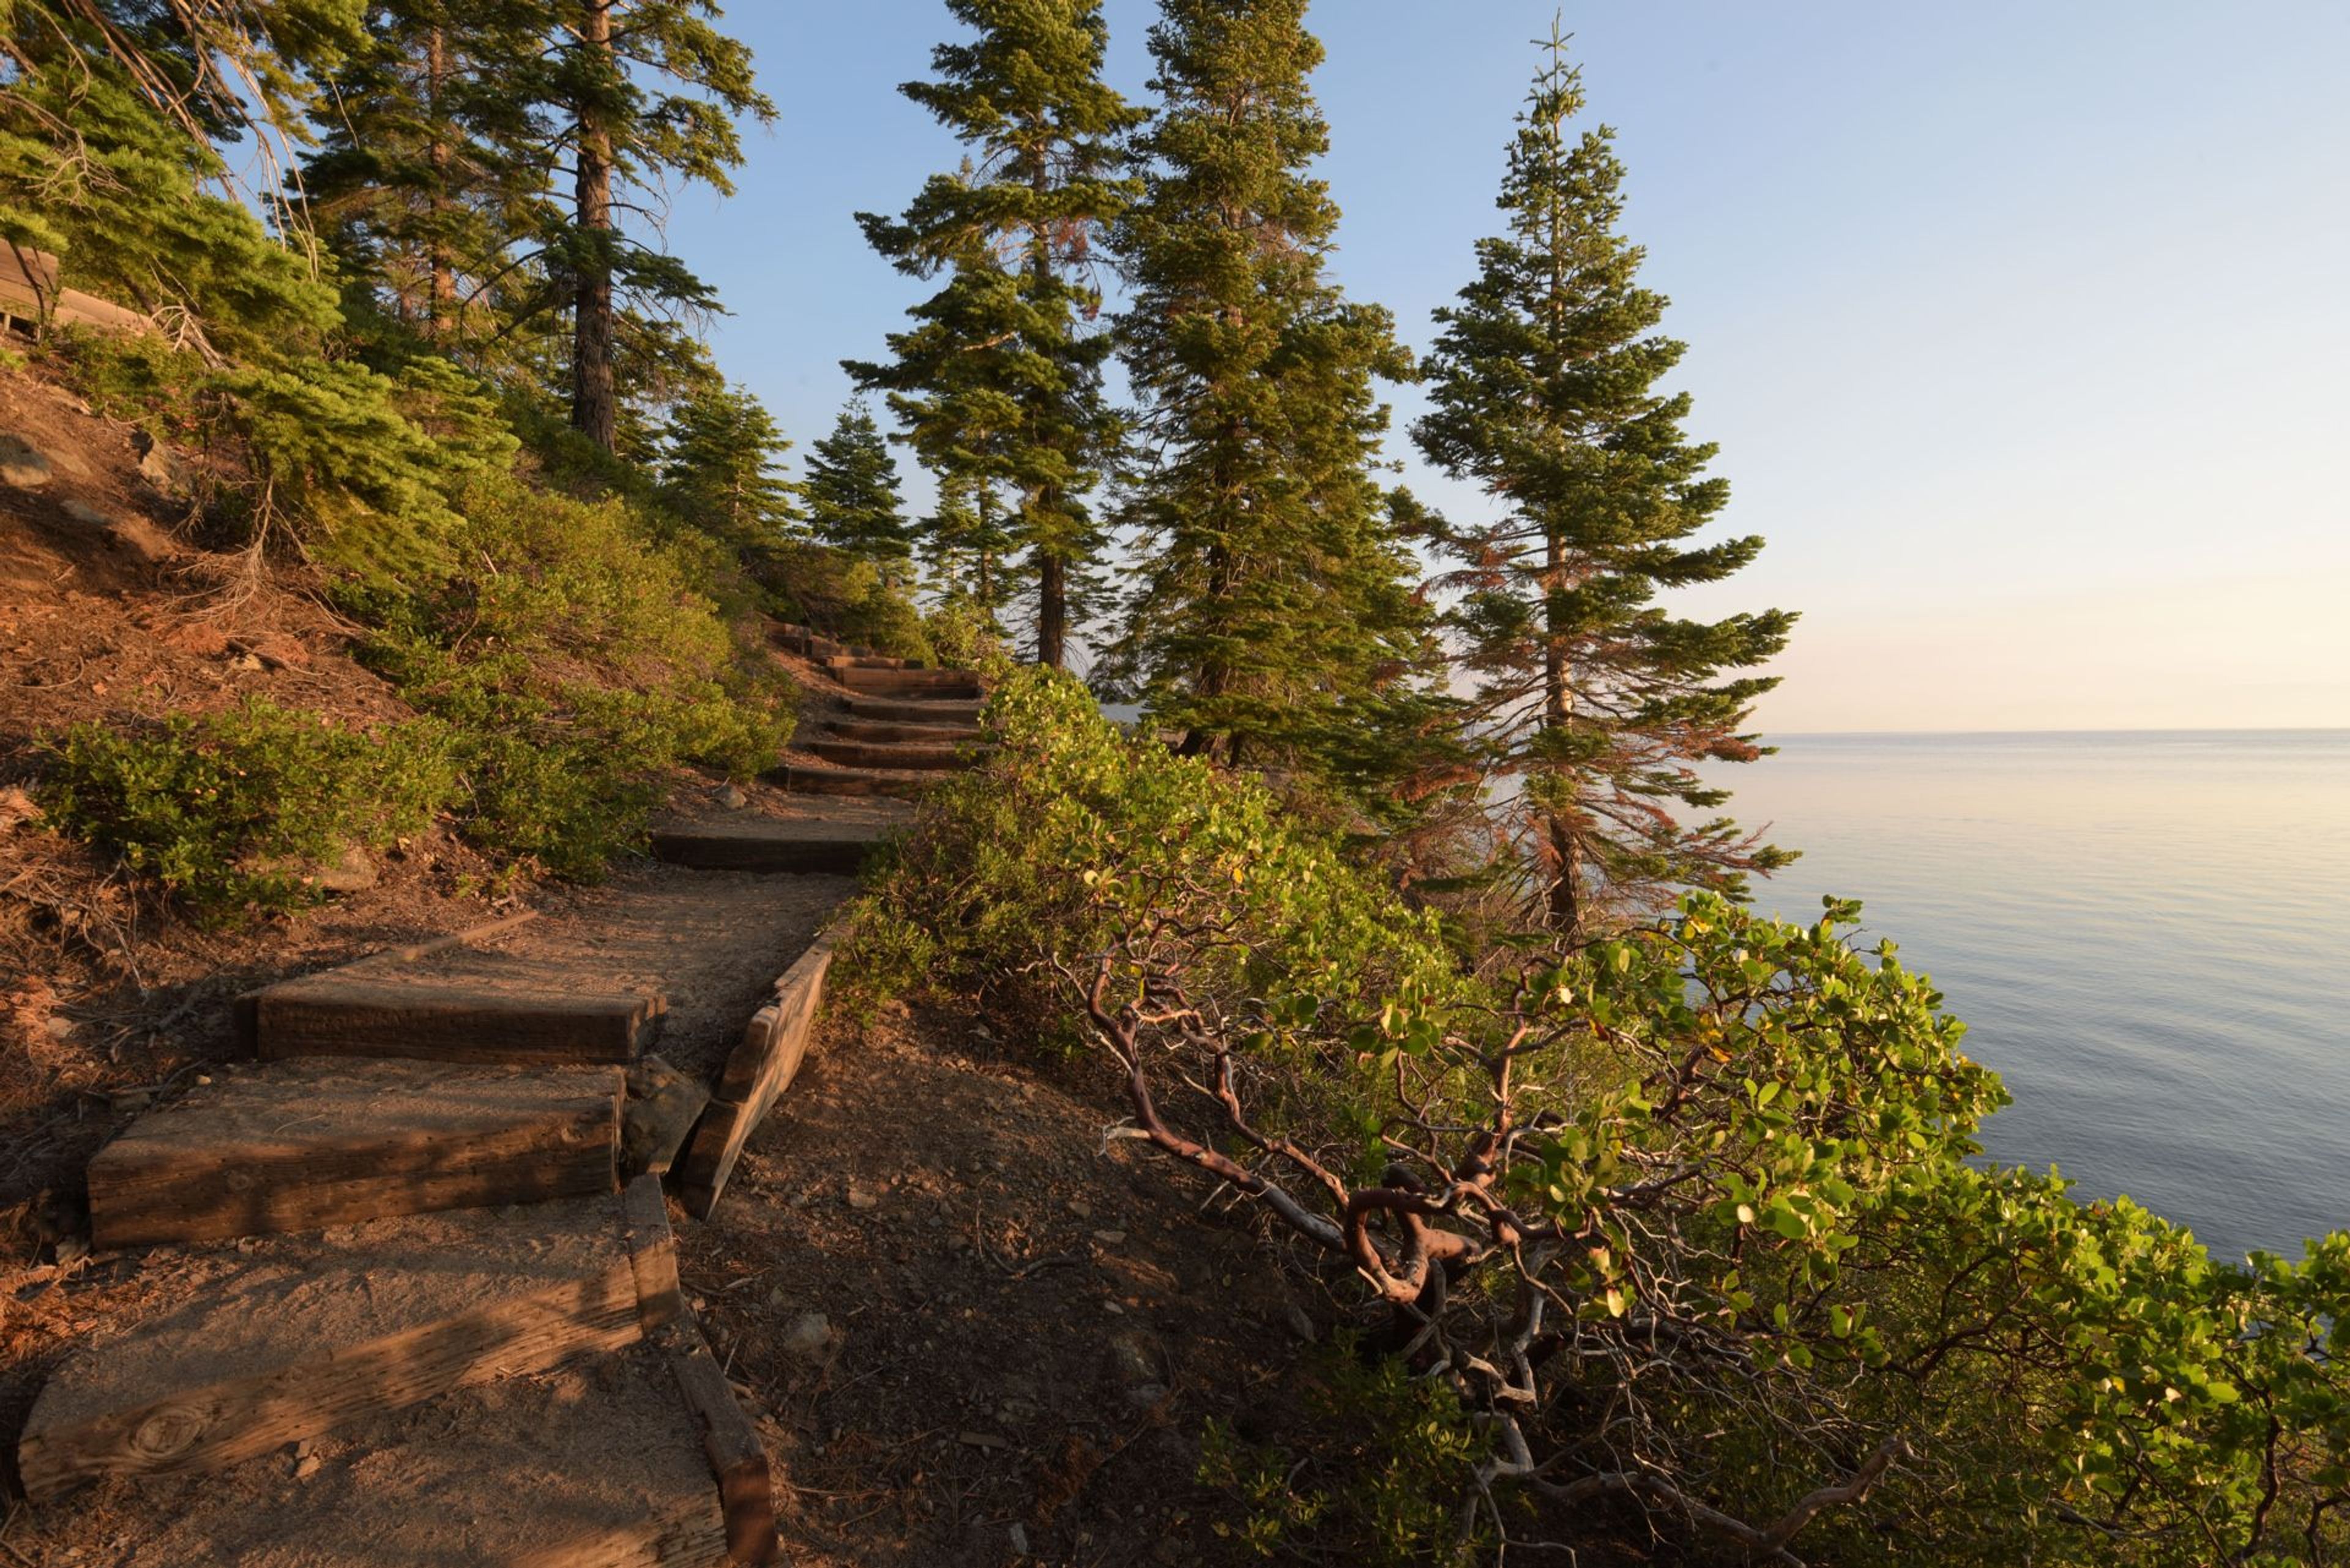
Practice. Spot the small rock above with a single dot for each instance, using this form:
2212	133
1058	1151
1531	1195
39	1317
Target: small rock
351	871
981	1440
245	661
1301	1325
306	1467
807	1336
122	1102
1019	1541
21	464
57	1026
1081	1208
1143	1395
1109	1238
733	798
1134	1359
72	1249
159	465
863	1196
83	513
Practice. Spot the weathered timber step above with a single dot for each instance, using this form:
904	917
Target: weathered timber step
909	710
877	754
902	786
854	660
385	1014
263	1345
760	1069
770	845
949	684
876	730
292	1146
601	1463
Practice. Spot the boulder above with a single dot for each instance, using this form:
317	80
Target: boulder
22	465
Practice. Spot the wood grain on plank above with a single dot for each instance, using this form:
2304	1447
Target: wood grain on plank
329	1015
652	1253
738	1460
301	1144
299	1380
761	1068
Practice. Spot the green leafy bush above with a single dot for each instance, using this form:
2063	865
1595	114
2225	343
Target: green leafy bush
845	596
1688	1226
1073	827
237	810
575	662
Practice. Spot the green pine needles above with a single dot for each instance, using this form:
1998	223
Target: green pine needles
1598	702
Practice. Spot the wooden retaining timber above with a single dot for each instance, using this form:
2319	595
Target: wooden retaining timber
330	1015
937	684
886	754
759	1068
293	1146
306	1335
768	846
865	783
917	711
29	291
737	1459
876	730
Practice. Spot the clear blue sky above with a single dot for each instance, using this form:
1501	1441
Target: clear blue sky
2024	328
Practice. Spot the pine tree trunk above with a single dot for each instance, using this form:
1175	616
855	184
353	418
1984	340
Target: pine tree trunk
1051	611
440	301
595	411
1564	898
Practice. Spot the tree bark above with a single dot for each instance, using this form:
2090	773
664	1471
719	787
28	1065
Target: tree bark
1563	900
441	296
595	409
1051	611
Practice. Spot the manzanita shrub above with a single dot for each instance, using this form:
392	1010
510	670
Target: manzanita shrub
1689	1225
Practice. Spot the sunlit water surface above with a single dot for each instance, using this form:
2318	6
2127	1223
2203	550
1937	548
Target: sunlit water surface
2147	934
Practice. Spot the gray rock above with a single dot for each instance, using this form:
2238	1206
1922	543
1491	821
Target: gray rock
663	1105
21	464
353	870
807	1336
1134	1358
159	465
733	798
1019	1541
861	1197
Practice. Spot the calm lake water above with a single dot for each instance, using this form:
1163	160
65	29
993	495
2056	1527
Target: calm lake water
2148	935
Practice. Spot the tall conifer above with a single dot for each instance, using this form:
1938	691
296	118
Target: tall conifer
1599	701
851	491
719	467
999	380
1275	612
643	92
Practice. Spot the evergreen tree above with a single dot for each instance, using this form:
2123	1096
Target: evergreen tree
1544	381
999	380
964	543
426	175
851	491
647	91
1275	618
719	467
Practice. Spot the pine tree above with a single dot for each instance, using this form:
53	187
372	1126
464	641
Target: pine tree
999	380
426	176
851	491
1545	385
647	92
1276	617
720	472
963	544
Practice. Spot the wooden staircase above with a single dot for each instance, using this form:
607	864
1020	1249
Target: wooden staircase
416	1237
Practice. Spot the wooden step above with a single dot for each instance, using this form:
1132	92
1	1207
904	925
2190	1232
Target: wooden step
873	755
384	1013
290	1146
760	1069
908	710
949	684
876	730
604	1463
859	658
770	844
241	1350
850	781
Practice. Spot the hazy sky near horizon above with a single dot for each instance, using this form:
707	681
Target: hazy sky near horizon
2025	330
